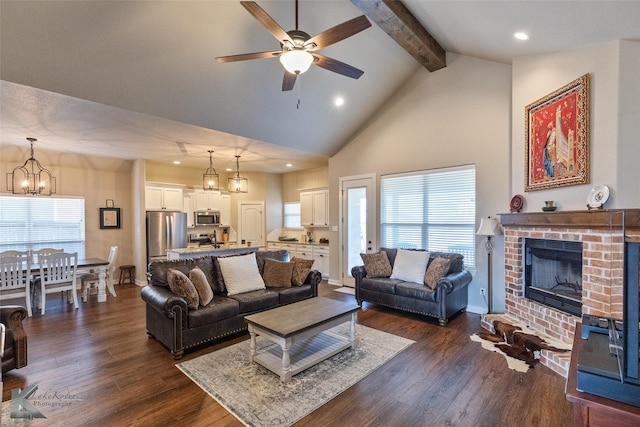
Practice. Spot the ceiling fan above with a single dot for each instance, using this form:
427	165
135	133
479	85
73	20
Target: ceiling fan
298	50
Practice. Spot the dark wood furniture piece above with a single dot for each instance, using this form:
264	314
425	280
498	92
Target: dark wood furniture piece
591	410
15	343
301	332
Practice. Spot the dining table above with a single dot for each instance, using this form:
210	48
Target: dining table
87	264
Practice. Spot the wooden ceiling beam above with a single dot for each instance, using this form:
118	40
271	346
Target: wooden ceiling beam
397	21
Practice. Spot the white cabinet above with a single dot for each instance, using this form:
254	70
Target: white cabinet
304	251
321	260
272	246
314	208
164	198
207	200
292	248
225	209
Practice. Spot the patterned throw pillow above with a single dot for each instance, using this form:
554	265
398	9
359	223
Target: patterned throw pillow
199	280
436	270
180	285
410	266
377	264
301	269
277	274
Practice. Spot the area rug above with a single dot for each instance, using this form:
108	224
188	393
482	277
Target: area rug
257	397
346	290
519	344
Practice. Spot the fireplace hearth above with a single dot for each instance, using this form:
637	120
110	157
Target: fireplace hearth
553	274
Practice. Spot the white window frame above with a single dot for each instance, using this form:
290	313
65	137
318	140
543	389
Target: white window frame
430	209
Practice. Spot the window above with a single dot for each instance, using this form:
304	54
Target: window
432	210
42	222
292	215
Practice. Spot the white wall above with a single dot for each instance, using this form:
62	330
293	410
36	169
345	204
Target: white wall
454	116
615	120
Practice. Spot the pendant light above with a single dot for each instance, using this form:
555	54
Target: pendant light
210	178
31	178
237	184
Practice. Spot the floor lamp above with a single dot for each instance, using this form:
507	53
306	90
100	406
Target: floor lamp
489	228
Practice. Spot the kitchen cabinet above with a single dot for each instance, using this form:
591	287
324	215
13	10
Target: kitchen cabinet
207	200
272	246
321	260
314	208
304	251
164	198
225	209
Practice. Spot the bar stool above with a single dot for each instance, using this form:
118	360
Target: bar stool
128	274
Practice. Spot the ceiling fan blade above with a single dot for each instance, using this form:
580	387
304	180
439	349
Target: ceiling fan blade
336	66
267	21
288	81
246	56
339	32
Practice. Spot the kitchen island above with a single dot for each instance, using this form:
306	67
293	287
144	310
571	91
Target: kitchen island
184	253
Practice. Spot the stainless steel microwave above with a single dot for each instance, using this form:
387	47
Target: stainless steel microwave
204	218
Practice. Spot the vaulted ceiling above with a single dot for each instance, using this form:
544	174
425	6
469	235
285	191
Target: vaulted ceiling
138	79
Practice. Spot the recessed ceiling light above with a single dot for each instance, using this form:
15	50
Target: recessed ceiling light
176	162
229	169
288	165
339	101
521	36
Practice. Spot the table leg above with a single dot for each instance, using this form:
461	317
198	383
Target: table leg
352	330
252	343
286	362
102	274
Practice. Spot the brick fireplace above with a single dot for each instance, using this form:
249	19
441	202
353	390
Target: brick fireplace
601	234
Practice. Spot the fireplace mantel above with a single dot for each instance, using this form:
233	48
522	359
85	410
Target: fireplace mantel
574	219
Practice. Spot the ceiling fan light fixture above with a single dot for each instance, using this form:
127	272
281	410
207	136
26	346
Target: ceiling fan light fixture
296	61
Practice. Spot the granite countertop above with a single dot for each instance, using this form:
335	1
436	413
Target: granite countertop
210	248
297	242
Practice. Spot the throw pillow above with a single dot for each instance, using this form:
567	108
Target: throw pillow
180	285
199	280
301	269
277	274
241	274
410	266
437	270
377	264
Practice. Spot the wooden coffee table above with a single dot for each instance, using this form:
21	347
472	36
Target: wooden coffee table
301	332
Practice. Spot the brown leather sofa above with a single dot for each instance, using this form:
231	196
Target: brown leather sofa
448	298
178	328
15	343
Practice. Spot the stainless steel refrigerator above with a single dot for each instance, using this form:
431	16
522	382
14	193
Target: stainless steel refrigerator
165	230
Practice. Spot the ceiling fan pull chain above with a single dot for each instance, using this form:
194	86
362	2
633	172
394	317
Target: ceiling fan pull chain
299	90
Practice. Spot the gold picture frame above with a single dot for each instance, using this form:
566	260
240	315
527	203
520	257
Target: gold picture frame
557	138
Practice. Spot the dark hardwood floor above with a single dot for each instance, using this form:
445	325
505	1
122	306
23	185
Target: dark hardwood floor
96	366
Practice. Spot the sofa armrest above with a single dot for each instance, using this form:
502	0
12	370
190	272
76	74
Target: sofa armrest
358	272
163	300
454	281
11	316
313	278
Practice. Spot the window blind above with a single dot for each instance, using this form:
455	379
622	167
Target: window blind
30	223
292	215
432	210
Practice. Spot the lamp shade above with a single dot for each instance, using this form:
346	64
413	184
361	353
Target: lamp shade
488	227
296	61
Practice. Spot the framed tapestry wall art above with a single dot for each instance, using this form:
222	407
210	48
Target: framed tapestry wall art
557	138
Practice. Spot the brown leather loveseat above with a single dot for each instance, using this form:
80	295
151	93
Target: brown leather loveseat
15	343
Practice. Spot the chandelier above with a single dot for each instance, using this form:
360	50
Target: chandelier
237	184
210	178
31	178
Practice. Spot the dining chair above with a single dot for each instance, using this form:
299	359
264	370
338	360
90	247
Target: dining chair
14	279
35	260
93	278
58	273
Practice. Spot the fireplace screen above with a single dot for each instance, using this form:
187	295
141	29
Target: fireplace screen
553	274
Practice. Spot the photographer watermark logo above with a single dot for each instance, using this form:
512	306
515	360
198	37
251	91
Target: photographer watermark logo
21	407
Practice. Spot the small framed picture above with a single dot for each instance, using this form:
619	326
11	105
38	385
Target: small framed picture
110	203
109	218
